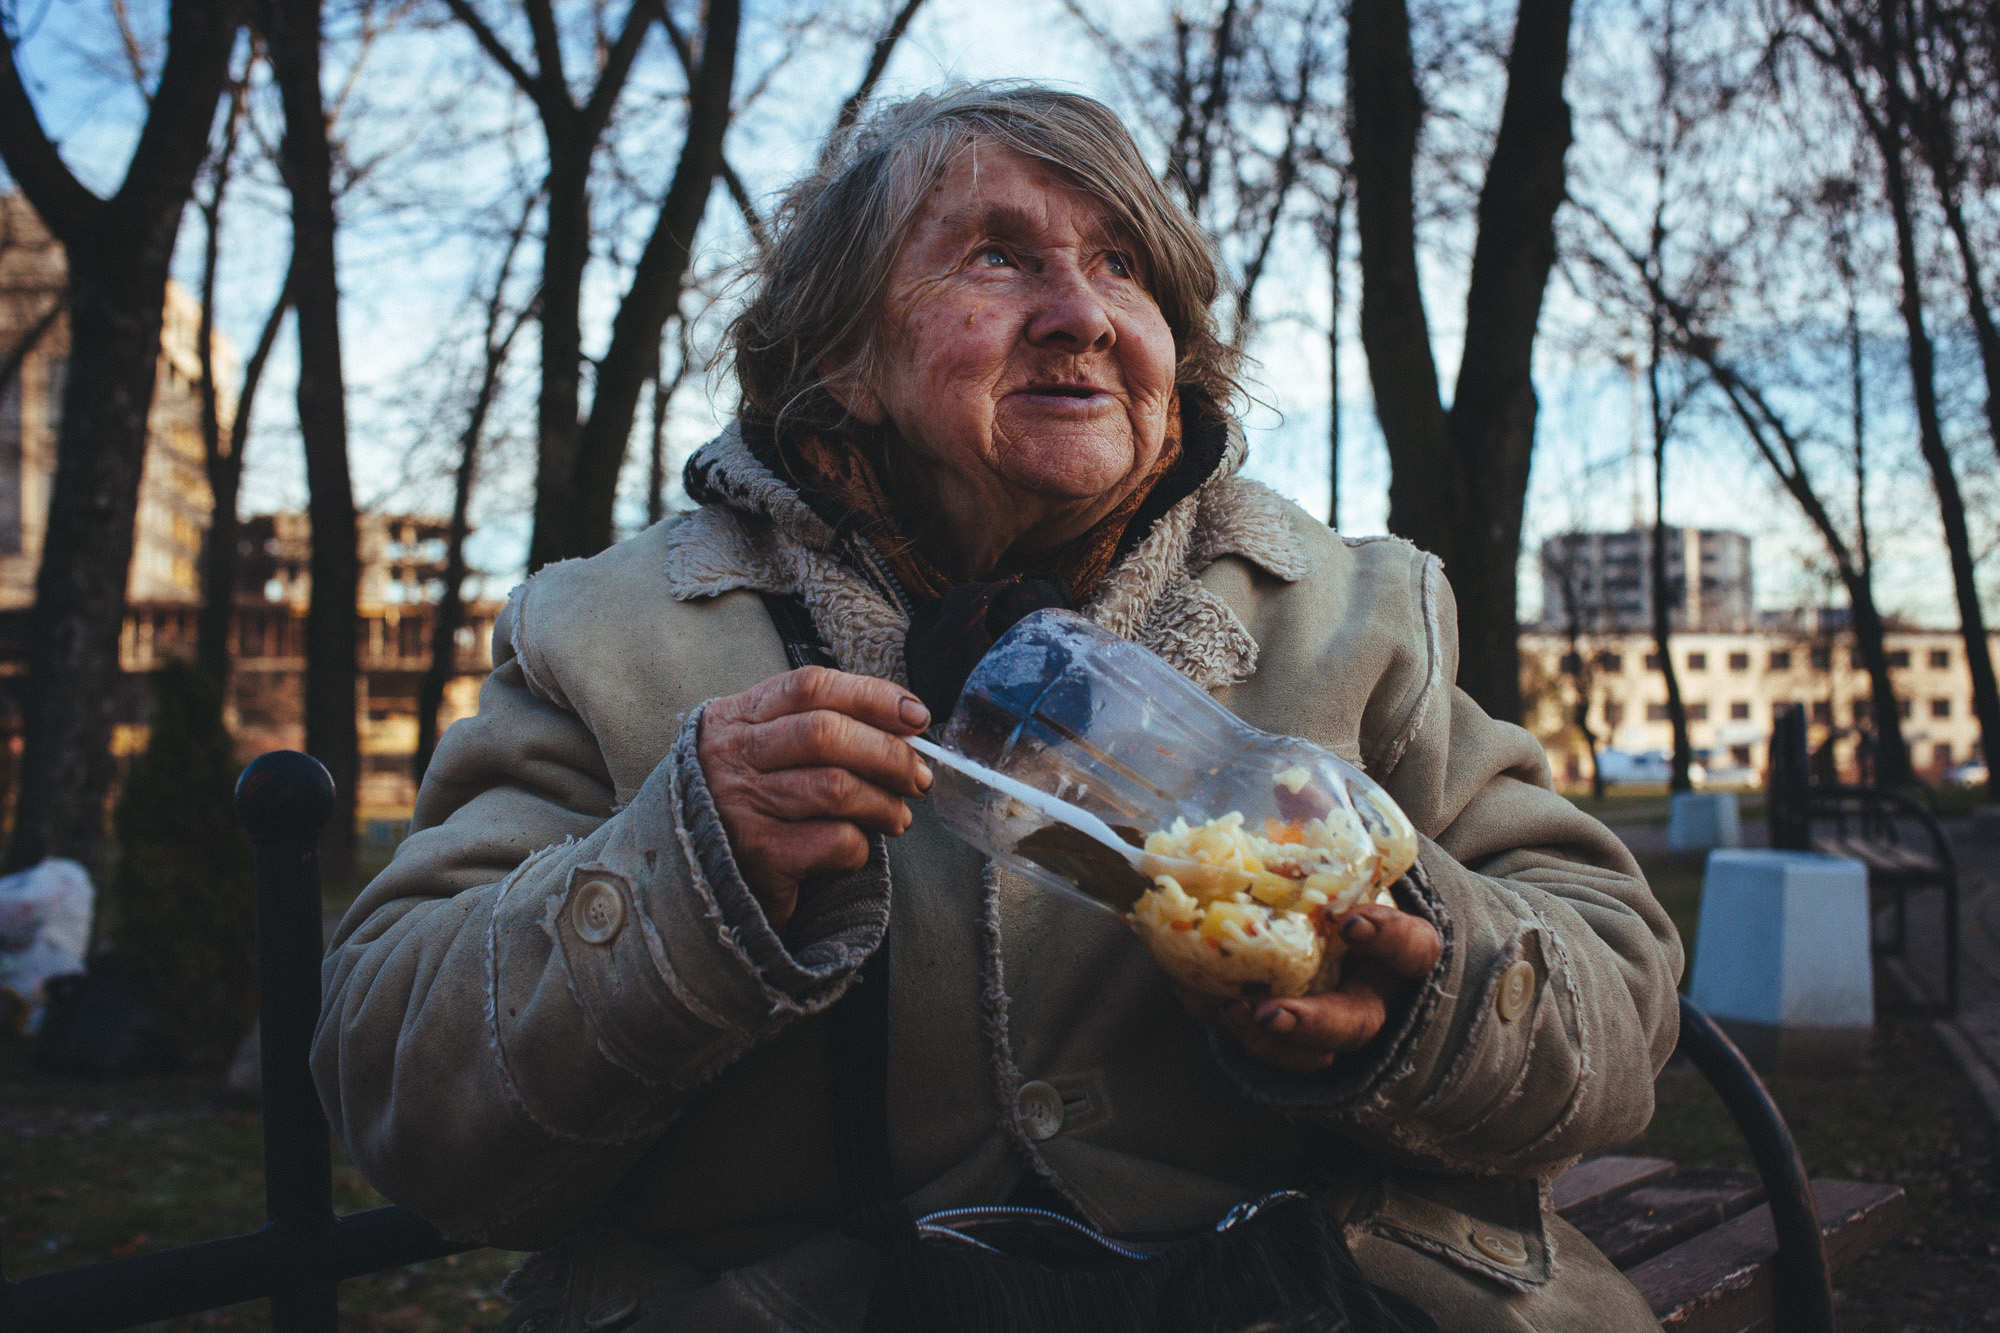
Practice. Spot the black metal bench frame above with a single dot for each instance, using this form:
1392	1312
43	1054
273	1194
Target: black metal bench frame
1869	825
300	1256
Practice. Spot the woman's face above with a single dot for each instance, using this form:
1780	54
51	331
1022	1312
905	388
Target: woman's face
1024	362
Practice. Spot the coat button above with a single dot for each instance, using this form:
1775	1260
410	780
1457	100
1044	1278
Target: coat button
1517	991
1040	1108
1500	1247
597	910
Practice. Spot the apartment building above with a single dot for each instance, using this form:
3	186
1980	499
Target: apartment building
1735	683
1604	580
174	499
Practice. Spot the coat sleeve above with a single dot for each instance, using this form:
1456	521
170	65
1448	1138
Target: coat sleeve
1553	1007
528	993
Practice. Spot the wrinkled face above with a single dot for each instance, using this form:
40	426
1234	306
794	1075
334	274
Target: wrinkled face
1024	362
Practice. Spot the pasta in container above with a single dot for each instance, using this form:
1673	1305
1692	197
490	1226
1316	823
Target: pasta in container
1247	847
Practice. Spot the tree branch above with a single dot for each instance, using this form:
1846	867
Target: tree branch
878	60
490	42
617	66
66	207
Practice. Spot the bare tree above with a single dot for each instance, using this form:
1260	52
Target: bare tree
501	326
118	253
1460	475
1559	563
332	664
580	457
1864	46
222	444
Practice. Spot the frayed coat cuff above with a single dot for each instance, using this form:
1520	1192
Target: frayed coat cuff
669	953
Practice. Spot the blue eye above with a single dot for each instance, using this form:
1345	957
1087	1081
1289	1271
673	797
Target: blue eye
993	256
1120	265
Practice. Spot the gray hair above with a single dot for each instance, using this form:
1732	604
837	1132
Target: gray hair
812	320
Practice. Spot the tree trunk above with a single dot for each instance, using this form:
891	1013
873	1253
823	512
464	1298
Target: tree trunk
634	353
118	252
331	649
1336	231
558	414
1459	480
74	675
1930	430
224	457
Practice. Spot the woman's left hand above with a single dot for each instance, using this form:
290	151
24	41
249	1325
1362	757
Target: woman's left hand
1388	952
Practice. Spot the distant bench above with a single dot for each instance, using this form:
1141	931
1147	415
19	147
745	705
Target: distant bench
1896	839
1701	1245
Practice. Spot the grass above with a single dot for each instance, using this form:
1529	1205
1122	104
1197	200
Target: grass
103	1170
100	1170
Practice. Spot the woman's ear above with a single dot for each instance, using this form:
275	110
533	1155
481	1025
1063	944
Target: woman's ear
854	394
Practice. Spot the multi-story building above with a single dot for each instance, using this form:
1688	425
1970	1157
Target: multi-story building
1604	580
401	556
174	499
1734	684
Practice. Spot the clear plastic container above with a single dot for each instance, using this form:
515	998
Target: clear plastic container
1070	709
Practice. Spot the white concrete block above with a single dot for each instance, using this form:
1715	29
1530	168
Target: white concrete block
1699	820
1782	955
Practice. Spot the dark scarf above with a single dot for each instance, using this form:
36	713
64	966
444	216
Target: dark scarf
953	622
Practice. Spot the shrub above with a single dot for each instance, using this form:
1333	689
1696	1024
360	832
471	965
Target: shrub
181	904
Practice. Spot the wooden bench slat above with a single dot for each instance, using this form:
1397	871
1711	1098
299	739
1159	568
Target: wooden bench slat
1632	1227
1595	1179
1722	1280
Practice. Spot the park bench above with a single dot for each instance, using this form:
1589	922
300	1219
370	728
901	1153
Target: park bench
1900	843
1714	1252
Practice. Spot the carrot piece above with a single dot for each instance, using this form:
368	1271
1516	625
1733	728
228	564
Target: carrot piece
1290	831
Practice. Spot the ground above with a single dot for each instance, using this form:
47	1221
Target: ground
97	1170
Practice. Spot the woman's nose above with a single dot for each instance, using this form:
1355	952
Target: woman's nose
1073	314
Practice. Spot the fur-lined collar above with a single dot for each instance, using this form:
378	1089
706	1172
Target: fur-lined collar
755	532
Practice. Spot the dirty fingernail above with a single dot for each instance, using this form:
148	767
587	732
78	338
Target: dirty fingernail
1357	929
914	713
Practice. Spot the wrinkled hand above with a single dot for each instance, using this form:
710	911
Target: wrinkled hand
803	767
1388	952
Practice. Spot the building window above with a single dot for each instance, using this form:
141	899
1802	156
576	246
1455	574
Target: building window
1652	661
1697	712
1739	711
1779	707
1899	658
1781	659
1739	661
1697	661
1940	659
1822	712
1940	708
1739	756
1614	712
1903	708
1863	710
1572	664
1822	659
1656	712
1610	661
1941	754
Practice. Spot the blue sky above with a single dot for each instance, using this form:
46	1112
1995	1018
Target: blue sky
407	278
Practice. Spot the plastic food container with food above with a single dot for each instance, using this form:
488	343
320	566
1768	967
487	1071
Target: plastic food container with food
1293	836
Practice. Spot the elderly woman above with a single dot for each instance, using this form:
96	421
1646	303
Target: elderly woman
604	1003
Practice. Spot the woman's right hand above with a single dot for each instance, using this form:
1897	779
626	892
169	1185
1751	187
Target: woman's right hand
803	767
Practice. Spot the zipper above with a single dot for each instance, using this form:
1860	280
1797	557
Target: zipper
944	1224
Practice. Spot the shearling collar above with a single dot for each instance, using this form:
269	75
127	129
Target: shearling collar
755	532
